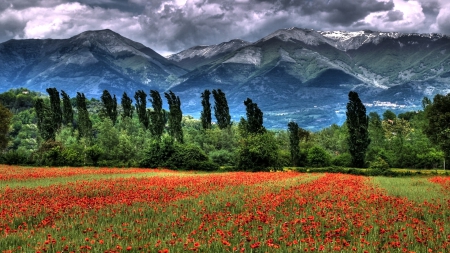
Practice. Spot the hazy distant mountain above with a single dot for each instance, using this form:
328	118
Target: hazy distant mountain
198	56
89	62
305	75
293	74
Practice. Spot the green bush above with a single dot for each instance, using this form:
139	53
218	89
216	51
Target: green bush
343	160
379	164
14	157
222	157
318	157
167	154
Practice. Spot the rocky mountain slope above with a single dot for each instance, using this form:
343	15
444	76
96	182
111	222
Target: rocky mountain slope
89	62
293	74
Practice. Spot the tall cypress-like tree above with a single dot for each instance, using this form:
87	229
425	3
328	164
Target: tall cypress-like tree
357	124
55	107
294	141
221	109
205	115
157	120
254	117
67	109
46	126
84	123
5	121
127	106
141	107
175	116
109	106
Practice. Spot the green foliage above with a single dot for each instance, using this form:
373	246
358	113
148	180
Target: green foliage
175	116
67	109
294	142
127	106
205	115
254	117
94	153
55	107
357	123
389	115
221	109
157	116
258	152
141	107
379	164
15	157
45	124
318	157
342	160
168	154
438	118
5	121
84	122
222	157
109	106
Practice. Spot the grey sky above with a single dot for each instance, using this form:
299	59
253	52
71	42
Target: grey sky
169	26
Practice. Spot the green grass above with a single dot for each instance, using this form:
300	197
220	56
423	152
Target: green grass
43	182
417	189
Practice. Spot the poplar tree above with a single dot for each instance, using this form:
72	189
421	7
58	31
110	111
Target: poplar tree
141	107
254	117
67	109
84	123
45	122
127	106
357	124
437	115
157	118
109	106
175	116
55	107
205	115
221	109
5	121
294	141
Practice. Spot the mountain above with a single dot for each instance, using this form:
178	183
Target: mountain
198	56
305	75
292	74
89	62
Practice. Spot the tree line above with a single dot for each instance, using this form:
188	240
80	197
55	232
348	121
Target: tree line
56	130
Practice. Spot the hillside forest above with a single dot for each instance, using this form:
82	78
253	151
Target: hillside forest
56	130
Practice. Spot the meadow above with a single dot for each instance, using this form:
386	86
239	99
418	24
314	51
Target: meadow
146	210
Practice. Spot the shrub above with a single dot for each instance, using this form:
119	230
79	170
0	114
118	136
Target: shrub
222	157
318	157
343	160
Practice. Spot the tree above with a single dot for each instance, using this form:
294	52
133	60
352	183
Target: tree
55	107
84	123
438	128
157	118
258	152
5	121
357	124
294	141
67	109
389	115
45	122
175	116
205	115
221	109
141	107
254	117
109	106
127	106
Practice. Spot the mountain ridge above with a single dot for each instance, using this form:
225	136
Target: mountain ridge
293	74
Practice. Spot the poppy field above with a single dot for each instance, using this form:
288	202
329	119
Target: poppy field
145	210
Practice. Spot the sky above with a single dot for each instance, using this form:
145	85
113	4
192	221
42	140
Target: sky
169	26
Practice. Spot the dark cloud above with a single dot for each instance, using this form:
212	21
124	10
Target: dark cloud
174	25
394	16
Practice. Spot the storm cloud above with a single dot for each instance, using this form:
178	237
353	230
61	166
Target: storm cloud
170	26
